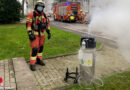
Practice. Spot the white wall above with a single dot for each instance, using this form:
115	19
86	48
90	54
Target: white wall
48	6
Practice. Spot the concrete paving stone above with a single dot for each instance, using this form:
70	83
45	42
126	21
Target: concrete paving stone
36	76
52	80
5	68
24	77
41	78
21	62
59	73
58	79
51	72
11	75
13	86
7	83
2	72
55	71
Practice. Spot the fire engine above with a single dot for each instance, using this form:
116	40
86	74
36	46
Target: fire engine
67	11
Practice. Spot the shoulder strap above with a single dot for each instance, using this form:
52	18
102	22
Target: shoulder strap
44	15
34	14
34	17
45	18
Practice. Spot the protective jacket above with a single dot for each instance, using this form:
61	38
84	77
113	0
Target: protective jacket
37	23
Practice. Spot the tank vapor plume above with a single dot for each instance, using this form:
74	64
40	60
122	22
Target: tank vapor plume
112	18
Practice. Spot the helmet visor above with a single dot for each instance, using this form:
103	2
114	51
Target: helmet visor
40	8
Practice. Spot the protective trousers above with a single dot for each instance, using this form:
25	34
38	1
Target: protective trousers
36	48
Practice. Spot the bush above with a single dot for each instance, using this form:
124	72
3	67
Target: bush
9	11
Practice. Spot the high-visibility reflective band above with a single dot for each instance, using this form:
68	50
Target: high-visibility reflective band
30	20
49	27
38	17
43	17
39	54
29	29
33	58
27	21
36	33
27	18
47	20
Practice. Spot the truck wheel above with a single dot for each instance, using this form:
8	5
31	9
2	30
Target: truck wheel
54	18
62	19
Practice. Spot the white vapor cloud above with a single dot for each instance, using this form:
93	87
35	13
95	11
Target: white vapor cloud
112	18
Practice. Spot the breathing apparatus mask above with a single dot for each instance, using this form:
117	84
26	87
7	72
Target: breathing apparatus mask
39	7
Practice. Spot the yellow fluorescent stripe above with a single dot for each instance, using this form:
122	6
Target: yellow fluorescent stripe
39	54
29	28
38	17
33	58
27	20
43	17
31	20
36	33
42	33
49	27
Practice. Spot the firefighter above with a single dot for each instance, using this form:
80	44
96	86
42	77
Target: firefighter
80	16
86	17
37	23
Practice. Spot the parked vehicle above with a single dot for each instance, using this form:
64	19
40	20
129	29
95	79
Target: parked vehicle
67	11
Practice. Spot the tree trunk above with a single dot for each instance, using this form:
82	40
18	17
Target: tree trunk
23	8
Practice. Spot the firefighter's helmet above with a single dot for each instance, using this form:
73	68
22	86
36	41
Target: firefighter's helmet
81	10
39	3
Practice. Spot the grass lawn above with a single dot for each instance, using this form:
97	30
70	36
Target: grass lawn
14	42
119	81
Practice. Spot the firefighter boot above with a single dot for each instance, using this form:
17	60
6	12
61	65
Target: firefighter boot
40	62
32	67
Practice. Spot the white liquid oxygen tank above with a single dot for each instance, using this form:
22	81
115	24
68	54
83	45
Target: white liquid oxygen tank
87	59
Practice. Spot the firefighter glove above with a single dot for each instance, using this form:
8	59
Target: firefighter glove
31	35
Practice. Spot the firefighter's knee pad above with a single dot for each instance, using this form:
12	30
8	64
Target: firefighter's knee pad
41	49
34	51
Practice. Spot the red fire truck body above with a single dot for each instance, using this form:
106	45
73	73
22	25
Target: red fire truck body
67	11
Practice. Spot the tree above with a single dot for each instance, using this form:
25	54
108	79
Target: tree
10	11
23	1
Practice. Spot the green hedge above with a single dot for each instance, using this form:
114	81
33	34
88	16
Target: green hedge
9	11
